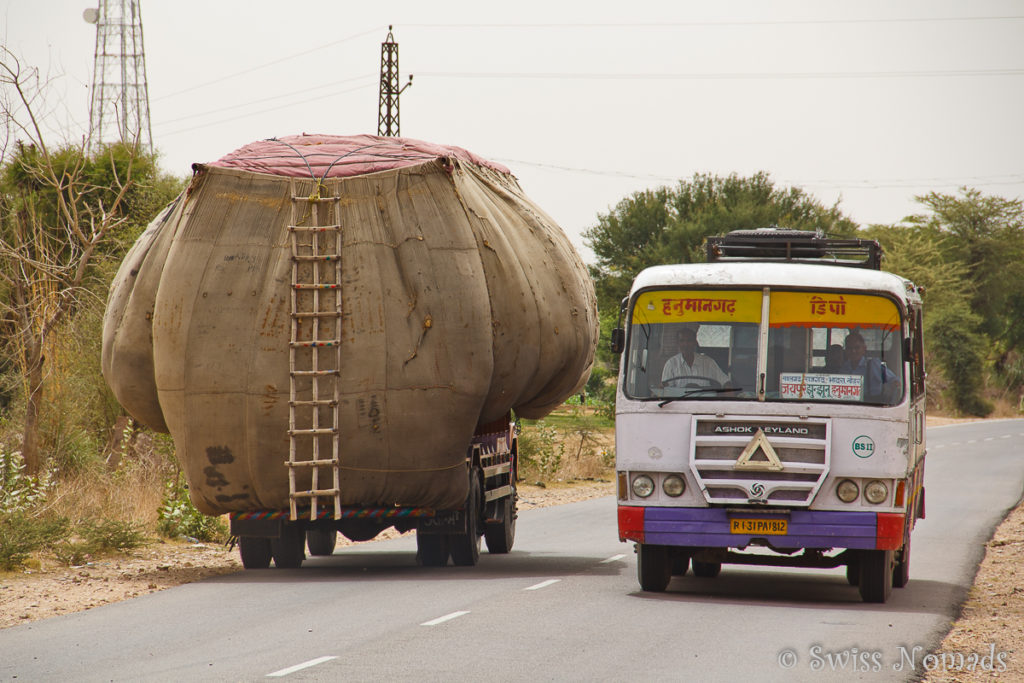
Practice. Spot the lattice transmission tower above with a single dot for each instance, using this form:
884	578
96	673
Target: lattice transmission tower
388	122
119	108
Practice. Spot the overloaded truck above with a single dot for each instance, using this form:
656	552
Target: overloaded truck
337	332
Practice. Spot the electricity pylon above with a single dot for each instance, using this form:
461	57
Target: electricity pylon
119	108
388	117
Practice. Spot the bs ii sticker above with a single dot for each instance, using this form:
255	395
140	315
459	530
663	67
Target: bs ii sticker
863	447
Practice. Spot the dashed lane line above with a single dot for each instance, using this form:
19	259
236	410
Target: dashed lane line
300	667
447	617
542	584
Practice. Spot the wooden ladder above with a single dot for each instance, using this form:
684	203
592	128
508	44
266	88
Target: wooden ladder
314	361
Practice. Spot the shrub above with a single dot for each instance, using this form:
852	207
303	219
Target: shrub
22	534
178	517
18	491
540	453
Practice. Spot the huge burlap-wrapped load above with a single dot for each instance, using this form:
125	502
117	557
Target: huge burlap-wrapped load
457	300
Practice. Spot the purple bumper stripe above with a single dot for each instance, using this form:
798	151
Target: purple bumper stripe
709	528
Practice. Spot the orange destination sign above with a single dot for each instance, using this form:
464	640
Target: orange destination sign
698	305
820	309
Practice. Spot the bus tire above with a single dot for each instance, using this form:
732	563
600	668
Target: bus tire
876	569
653	567
706	570
901	572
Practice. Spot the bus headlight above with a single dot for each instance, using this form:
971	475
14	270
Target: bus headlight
674	485
876	492
643	486
847	490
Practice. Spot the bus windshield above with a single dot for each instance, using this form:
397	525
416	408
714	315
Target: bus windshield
810	346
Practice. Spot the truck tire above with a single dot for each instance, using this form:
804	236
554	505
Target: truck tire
255	552
431	550
501	535
465	547
653	567
321	542
290	549
876	569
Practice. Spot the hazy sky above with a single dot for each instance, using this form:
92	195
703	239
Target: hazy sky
868	102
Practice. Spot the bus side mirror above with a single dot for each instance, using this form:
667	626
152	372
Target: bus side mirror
618	340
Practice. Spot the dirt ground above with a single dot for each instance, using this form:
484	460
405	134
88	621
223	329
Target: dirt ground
990	623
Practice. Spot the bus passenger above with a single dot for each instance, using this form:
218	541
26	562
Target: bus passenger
877	377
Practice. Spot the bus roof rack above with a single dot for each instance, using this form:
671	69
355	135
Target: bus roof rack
794	246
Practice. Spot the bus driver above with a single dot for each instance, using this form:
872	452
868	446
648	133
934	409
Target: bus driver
689	367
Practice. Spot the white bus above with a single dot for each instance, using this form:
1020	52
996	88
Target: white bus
770	410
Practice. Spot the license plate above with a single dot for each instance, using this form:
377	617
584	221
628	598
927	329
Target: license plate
765	527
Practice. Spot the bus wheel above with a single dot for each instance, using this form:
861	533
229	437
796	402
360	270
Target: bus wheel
465	547
876	569
853	573
901	572
500	535
707	570
680	563
653	567
321	542
290	549
255	552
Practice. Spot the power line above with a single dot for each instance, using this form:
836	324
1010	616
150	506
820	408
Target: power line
944	73
703	24
264	111
979	181
267	64
320	86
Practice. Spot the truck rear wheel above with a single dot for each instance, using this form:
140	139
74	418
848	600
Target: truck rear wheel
431	549
255	552
876	570
465	547
321	542
289	550
653	567
500	535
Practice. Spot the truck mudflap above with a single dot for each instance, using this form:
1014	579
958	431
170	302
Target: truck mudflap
730	528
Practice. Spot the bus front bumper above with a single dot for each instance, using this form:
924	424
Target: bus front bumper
722	528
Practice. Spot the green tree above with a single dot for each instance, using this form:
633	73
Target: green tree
669	225
59	211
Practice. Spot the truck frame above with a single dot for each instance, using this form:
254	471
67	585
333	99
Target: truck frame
489	513
809	448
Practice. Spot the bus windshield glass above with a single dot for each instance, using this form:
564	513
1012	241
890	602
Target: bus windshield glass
705	344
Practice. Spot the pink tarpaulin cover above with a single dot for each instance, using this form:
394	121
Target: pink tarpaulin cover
340	156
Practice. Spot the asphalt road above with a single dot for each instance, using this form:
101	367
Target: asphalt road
563	606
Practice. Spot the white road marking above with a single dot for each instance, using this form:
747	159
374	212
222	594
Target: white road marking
447	617
613	558
300	667
542	584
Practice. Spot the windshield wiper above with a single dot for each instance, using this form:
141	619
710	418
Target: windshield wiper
701	390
